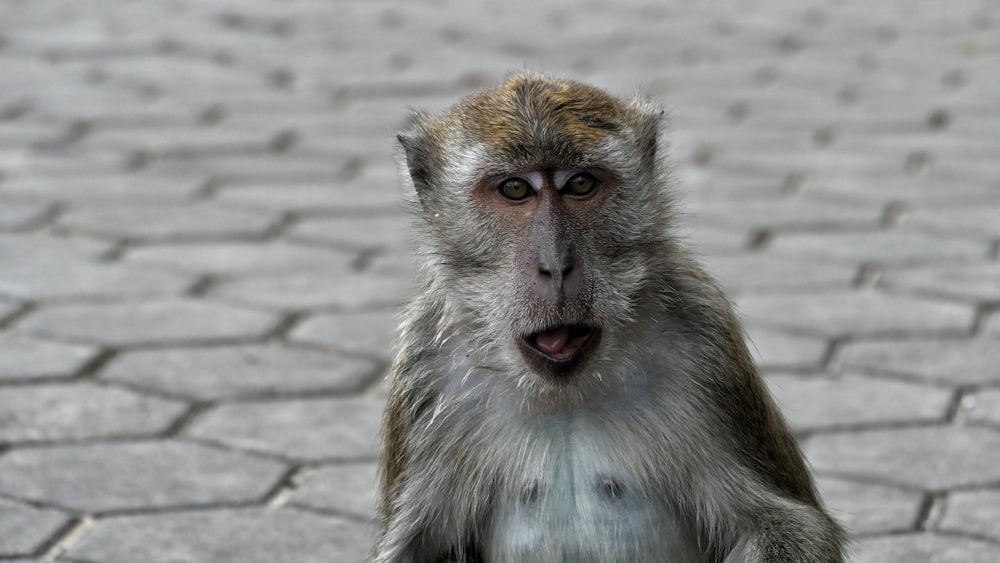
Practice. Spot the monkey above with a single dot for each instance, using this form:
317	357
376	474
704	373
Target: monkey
569	385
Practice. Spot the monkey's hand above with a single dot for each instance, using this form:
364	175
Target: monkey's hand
798	534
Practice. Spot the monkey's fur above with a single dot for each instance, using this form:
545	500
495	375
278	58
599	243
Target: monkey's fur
569	385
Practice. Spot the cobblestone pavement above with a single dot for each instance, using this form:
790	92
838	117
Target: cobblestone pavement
202	250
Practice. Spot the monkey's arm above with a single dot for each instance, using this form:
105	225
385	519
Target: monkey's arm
784	521
796	533
776	514
424	518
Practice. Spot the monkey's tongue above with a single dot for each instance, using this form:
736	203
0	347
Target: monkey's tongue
553	342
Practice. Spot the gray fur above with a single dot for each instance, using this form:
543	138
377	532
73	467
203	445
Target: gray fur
664	447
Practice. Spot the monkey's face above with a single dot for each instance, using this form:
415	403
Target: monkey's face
545	215
539	200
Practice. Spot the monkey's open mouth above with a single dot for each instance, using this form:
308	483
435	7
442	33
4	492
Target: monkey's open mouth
560	347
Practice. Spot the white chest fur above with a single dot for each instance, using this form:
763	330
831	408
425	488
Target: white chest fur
574	498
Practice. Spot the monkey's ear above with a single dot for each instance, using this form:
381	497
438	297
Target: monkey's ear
418	164
650	129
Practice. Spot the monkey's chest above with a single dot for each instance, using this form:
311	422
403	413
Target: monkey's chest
575	499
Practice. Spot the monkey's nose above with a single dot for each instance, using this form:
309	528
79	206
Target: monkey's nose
558	271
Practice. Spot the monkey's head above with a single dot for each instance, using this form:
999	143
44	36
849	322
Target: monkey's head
543	210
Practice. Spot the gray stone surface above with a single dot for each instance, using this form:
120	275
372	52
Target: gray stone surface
857	312
776	348
373	233
240	258
280	536
348	489
953	361
865	508
754	273
38	267
983	406
979	219
98	188
240	371
132	476
73	411
20	215
366	333
318	289
976	511
815	401
173	321
786	213
24	358
924	548
976	282
992	325
884	247
199	204
933	457
381	193
23	528
165	221
339	428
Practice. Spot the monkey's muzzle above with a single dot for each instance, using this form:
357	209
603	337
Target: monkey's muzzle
558	349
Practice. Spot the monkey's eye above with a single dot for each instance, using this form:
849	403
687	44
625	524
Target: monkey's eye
580	184
515	189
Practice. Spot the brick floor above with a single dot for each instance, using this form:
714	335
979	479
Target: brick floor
203	248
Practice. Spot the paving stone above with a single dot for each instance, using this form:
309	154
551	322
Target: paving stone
401	263
334	289
239	371
258	535
817	401
975	512
90	189
181	139
816	124
139	475
978	281
39	267
25	358
991	326
775	348
371	233
364	333
377	189
23	529
72	411
166	221
349	489
980	220
885	247
16	215
173	321
924	548
239	258
856	312
707	240
786	213
226	169
865	508
951	361
983	406
339	428
932	458
764	272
